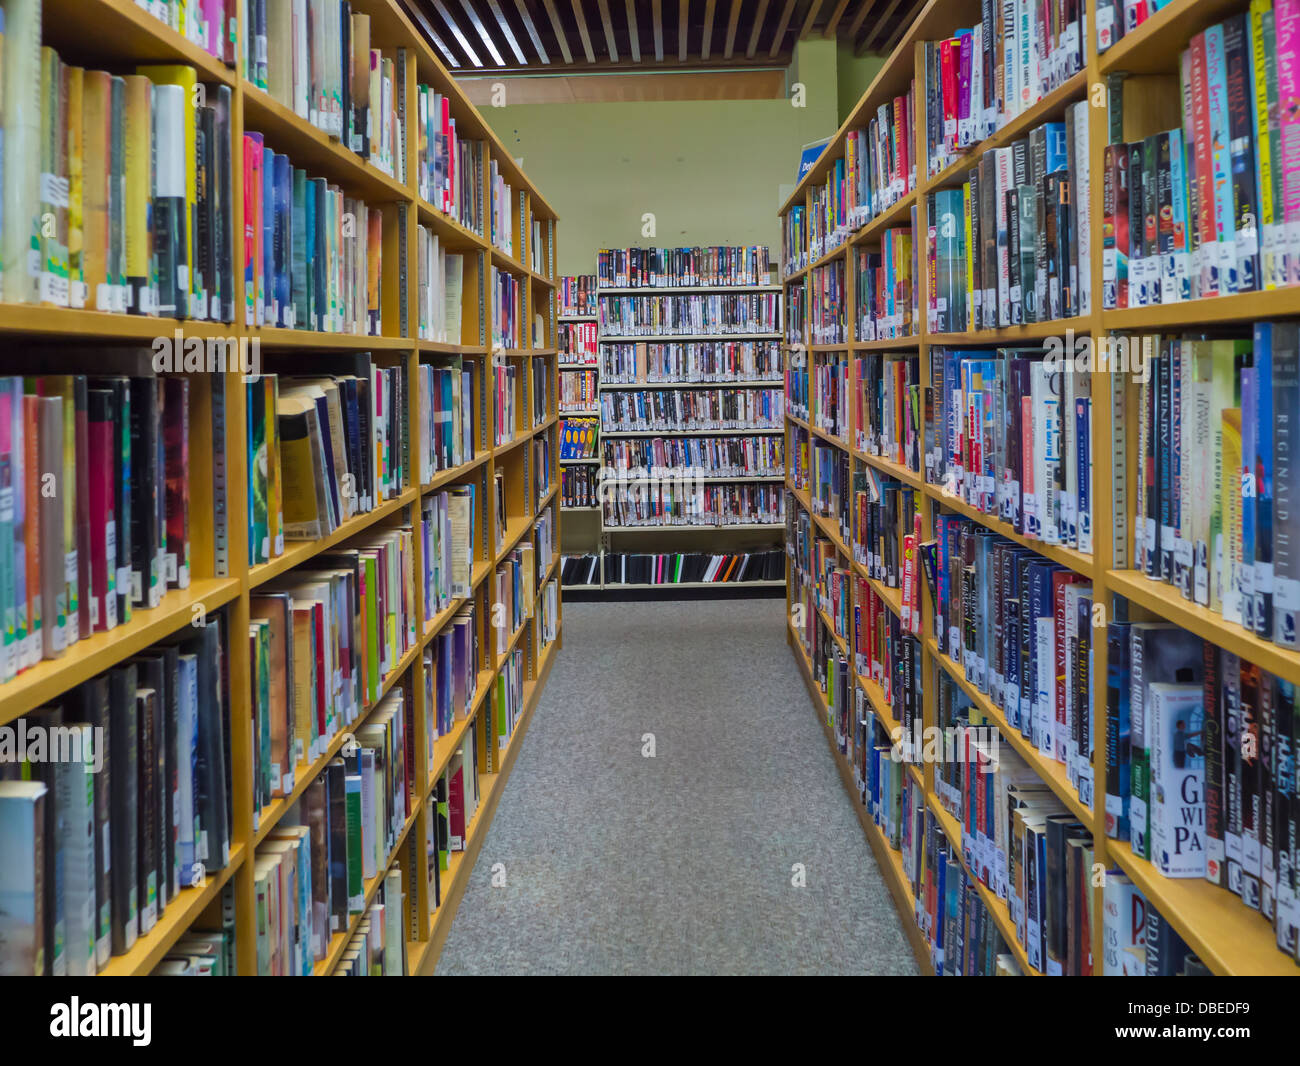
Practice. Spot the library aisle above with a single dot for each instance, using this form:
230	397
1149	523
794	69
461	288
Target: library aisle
615	862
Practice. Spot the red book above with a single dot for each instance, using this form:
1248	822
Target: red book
1059	580
103	517
176	448
322	681
1204	176
82	430
456	803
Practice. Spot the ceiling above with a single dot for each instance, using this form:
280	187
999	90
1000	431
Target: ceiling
480	36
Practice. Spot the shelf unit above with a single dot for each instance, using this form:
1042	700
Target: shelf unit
118	34
1229	937
593	536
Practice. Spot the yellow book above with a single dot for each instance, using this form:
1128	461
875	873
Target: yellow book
187	79
970	260
72	88
138	141
96	112
1258	9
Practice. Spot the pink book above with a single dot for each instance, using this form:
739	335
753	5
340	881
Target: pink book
1287	15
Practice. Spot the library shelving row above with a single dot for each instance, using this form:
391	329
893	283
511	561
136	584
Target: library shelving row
501	592
874	494
663	359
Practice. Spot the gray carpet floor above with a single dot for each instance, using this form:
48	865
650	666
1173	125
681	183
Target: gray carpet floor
616	863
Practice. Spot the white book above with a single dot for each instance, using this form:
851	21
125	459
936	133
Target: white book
1175	733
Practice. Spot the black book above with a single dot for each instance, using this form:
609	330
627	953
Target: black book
1165	948
337	821
93	708
222	195
124	743
146	810
146	429
211	781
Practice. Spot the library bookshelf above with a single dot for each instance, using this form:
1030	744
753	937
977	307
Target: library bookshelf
1229	938
582	529
588	530
116	34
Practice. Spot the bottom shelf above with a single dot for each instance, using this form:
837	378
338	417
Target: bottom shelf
889	860
423	956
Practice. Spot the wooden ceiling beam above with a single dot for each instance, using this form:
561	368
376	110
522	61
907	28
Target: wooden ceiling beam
732	23
533	35
658	17
708	27
860	18
779	37
683	25
810	19
633	35
865	44
756	29
471	13
561	38
581	16
611	45
457	34
833	22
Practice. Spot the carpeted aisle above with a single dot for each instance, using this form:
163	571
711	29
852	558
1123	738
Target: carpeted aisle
616	863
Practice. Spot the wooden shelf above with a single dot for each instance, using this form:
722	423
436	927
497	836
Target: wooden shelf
118	35
422	957
275	337
1051	771
1243	308
66	324
1050	107
122	33
997	909
1005	336
93	655
320	154
1154	47
1167	602
174	922
298	552
1057	553
889	860
1229	937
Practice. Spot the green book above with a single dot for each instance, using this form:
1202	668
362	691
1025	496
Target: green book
298	261
356	885
260	631
372	629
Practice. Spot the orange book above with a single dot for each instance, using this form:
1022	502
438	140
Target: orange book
374	245
96	113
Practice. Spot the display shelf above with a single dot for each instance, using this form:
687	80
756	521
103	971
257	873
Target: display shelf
119	34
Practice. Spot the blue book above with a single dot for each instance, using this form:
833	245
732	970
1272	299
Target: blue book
268	238
1265	431
283	179
1249	431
